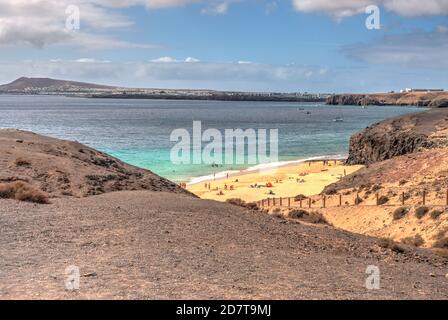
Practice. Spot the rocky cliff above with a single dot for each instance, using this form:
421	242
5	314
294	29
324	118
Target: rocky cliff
421	99
399	136
65	168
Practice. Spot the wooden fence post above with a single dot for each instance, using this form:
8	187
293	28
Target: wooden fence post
340	200
402	199
289	202
309	203
377	199
301	203
424	197
281	201
324	201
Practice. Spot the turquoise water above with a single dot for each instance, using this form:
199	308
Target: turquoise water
138	131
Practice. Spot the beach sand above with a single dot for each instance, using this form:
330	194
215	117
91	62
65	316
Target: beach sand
307	178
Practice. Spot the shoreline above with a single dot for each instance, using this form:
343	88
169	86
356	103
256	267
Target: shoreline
222	175
301	177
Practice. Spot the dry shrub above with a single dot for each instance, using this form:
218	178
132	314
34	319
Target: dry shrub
416	241
390	244
311	217
22	162
297	213
441	243
358	200
400	213
241	203
420	212
331	190
22	191
441	239
237	202
317	218
300	197
441	252
435	214
383	200
252	206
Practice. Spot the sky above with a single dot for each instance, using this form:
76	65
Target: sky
249	45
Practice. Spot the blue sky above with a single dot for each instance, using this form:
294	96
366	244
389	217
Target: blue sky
255	45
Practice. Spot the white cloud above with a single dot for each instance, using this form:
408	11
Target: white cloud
164	60
164	72
229	76
345	8
217	8
191	59
41	23
419	49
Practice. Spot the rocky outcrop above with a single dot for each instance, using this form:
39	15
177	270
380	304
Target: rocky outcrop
65	168
399	136
420	99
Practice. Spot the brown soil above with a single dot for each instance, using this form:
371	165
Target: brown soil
144	245
64	168
170	245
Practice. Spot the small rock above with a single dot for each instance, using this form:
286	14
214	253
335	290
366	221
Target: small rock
432	275
19	141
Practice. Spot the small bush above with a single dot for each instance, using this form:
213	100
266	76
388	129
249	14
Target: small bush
237	202
331	191
421	212
435	214
358	200
241	203
252	206
389	244
300	197
441	239
441	252
383	200
316	218
311	217
376	188
297	213
416	241
400	213
402	182
22	162
23	192
441	243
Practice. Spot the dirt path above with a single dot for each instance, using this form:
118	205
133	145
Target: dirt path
146	245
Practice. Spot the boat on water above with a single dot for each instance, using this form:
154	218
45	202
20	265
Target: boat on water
338	119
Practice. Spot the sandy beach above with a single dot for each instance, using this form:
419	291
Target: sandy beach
308	178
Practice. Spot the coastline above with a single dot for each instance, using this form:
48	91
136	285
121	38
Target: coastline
306	177
222	175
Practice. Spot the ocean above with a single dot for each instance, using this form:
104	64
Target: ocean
138	131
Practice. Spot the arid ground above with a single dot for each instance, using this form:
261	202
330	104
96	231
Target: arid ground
159	242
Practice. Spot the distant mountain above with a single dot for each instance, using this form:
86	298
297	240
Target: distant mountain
30	84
